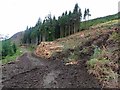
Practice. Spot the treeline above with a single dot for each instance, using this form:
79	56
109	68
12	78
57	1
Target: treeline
68	23
51	28
8	48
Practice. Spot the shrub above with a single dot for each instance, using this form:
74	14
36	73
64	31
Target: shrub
8	48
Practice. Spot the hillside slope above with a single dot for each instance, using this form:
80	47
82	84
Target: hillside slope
89	60
17	38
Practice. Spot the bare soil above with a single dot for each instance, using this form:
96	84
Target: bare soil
39	73
30	71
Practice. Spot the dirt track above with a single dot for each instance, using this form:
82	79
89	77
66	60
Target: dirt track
33	72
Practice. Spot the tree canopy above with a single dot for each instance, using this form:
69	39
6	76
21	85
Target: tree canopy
51	28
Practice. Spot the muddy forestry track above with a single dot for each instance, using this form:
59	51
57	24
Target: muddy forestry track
30	71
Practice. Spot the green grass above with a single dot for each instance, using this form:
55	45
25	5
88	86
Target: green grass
31	47
73	57
115	37
97	21
94	61
12	58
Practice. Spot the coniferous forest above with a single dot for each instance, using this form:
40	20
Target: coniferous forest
51	28
68	23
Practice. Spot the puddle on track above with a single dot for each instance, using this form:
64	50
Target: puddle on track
50	78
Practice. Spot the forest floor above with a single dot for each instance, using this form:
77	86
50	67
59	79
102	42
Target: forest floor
30	71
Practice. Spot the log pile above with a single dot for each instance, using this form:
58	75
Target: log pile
46	49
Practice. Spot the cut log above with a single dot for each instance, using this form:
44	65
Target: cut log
46	49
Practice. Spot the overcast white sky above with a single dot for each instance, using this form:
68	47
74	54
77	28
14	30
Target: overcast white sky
16	15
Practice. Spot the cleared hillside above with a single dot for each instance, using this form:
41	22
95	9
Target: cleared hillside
89	60
99	47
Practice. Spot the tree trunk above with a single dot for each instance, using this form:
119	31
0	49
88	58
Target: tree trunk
43	37
61	31
74	28
69	30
